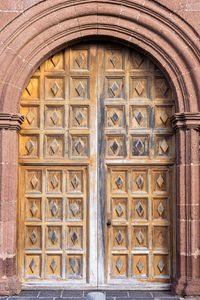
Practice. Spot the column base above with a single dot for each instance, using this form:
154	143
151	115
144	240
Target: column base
186	287
10	285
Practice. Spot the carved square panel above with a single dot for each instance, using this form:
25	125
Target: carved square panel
55	88
55	62
119	237
29	146
160	237
53	266
114	59
79	116
54	209
32	89
163	145
115	146
161	265
115	117
140	265
140	145
54	237
75	209
54	181
119	266
119	181
33	209
31	116
139	88
33	181
74	267
162	88
140	237
79	59
54	146
54	116
160	181
33	237
162	116
80	146
74	237
75	181
140	117
139	181
115	87
160	208
138	61
119	208
139	209
33	266
79	88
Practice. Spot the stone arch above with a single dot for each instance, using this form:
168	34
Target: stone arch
51	25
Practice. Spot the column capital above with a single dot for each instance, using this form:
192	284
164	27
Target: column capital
10	121
186	120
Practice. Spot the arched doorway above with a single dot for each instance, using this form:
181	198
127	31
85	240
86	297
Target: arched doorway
96	171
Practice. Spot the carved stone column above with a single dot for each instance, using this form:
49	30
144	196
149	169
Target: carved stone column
9	126
187	281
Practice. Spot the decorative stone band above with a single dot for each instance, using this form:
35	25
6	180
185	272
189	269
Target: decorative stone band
11	121
187	120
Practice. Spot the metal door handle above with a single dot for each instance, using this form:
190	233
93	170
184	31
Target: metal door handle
109	222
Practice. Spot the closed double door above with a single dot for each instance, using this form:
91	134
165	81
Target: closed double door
96	179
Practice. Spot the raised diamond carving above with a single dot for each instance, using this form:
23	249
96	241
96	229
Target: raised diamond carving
53	266
114	88
34	209
54	146
30	117
74	265
140	265
114	146
119	238
74	237
114	60
161	265
80	59
79	118
74	208
139	88
79	146
29	146
163	87
139	209
32	265
55	60
119	182
139	117
33	237
114	118
160	181
54	181
54	237
119	264
54	209
119	209
140	181
160	209
140	237
29	88
75	182
164	117
139	146
79	89
54	117
164	146
55	88
34	181
139	59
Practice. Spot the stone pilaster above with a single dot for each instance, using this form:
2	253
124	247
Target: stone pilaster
187	281
9	126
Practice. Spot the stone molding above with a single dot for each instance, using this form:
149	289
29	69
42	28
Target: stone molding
187	120
10	121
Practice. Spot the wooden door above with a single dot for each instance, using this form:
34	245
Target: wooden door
96	156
